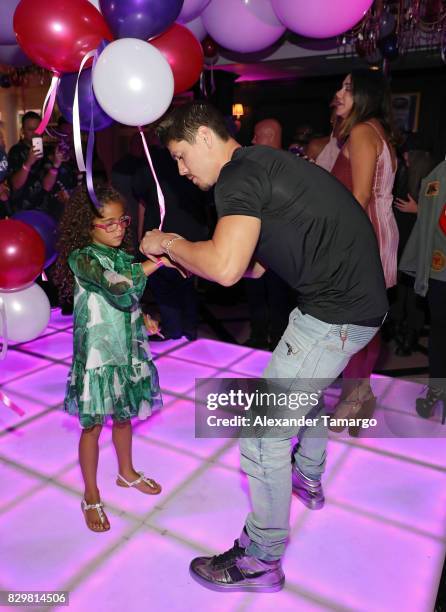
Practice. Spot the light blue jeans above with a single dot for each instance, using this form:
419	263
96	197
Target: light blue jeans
309	350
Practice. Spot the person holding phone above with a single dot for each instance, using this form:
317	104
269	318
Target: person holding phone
32	174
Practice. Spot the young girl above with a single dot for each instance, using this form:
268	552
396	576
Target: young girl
112	371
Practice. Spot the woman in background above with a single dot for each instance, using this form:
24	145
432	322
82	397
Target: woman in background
366	165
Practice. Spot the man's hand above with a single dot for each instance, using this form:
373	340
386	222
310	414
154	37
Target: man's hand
151	243
33	156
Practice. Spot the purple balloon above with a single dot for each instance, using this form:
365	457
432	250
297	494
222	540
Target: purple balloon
12	55
142	19
7	10
65	100
320	18
192	9
197	28
244	26
45	226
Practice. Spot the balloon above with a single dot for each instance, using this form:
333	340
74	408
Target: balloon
133	82
65	100
386	24
12	55
244	26
7	34
192	9
45	226
27	313
22	255
140	18
320	18
57	34
197	28
389	47
177	44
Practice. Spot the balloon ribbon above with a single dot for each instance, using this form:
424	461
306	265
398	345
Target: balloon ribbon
88	166
48	104
5	399
161	200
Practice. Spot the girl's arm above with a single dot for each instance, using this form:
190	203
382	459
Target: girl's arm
362	147
122	289
149	266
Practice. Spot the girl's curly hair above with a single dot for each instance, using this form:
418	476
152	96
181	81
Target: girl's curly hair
74	233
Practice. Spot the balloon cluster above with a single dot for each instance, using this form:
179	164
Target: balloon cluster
148	55
27	245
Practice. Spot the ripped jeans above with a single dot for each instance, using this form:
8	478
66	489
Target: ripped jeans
309	349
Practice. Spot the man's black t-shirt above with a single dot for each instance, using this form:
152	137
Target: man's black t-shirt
314	234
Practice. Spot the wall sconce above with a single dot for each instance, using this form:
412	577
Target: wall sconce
237	110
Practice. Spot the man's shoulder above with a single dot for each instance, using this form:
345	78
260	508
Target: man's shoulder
245	161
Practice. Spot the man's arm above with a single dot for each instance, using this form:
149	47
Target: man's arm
19	170
223	259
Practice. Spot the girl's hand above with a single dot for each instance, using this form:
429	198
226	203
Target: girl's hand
152	326
169	264
406	206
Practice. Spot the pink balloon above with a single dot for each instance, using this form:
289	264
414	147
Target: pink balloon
244	26
197	28
191	9
320	18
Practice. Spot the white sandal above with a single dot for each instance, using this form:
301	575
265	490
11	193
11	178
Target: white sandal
99	509
148	481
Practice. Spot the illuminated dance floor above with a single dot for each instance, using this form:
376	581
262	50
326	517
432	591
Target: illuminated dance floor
378	545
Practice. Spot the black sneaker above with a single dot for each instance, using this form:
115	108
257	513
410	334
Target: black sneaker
234	570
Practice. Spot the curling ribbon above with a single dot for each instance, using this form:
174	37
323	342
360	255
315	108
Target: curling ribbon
90	142
7	401
4	399
48	105
3	330
161	201
76	118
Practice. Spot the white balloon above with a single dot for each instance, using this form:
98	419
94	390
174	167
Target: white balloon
133	82
27	313
197	28
96	4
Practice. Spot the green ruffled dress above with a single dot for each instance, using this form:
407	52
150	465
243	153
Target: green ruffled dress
112	373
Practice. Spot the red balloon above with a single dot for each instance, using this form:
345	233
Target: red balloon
184	54
22	255
57	34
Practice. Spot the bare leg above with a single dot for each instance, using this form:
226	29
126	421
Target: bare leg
88	459
122	440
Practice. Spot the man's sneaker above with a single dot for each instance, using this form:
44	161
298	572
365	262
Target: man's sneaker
307	490
234	570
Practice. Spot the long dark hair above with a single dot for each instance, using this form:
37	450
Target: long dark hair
74	232
371	100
